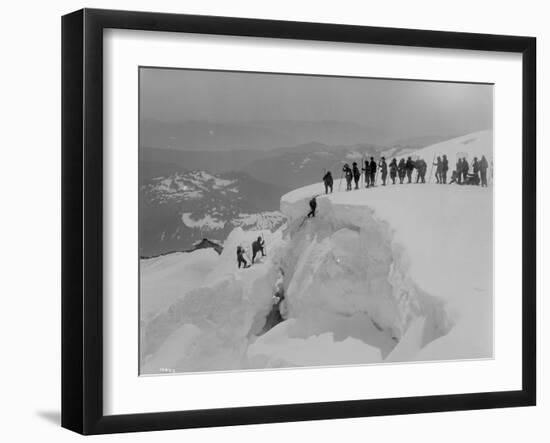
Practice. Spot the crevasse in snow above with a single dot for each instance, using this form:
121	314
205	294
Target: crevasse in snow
354	292
346	276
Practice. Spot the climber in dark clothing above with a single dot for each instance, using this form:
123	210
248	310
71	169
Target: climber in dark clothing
438	168
393	170
327	179
366	169
483	166
465	169
401	169
349	176
383	170
475	168
409	166
240	258
372	171
356	175
313	206
454	178
444	169
421	167
257	246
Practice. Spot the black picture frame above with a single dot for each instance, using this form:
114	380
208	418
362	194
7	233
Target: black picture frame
82	220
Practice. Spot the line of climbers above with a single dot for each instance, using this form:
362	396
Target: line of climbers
405	168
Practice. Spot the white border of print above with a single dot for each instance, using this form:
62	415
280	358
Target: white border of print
125	392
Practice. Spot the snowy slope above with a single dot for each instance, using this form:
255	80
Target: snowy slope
471	145
171	275
390	274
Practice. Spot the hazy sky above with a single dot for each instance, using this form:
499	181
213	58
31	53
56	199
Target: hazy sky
398	107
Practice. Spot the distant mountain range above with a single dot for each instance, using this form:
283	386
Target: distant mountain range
256	135
180	209
164	162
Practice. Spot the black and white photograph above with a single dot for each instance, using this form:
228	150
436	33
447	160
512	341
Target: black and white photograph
295	221
275	222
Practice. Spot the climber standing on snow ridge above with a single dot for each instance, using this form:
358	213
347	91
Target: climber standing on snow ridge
240	258
366	170
393	170
384	168
257	246
421	167
356	175
475	168
438	169
327	179
313	206
483	166
372	170
401	168
444	169
349	176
